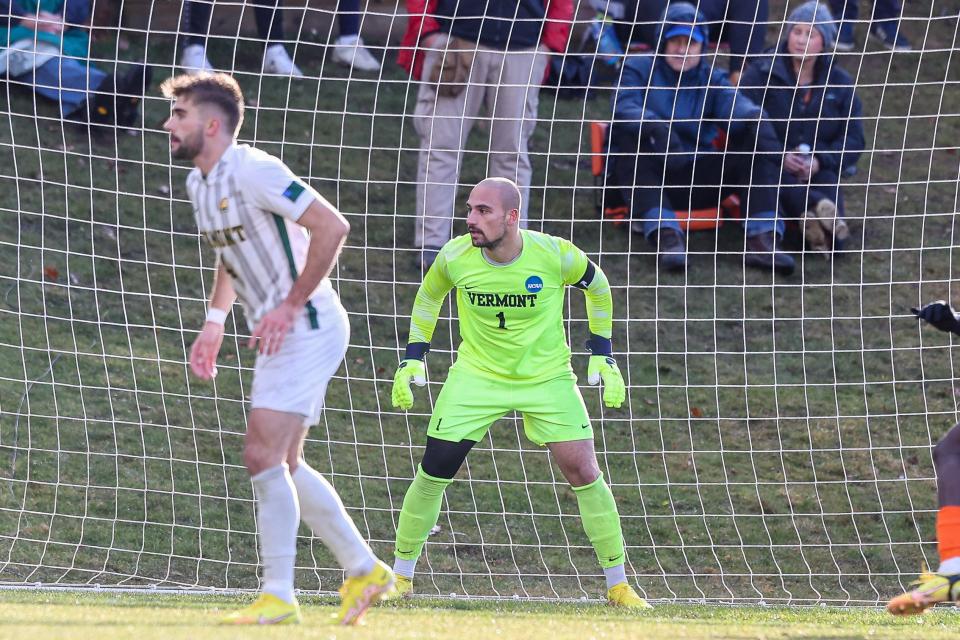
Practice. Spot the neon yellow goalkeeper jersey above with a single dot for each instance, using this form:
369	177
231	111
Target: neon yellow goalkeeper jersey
511	315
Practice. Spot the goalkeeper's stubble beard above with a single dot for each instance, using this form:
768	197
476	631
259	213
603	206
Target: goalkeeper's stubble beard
482	241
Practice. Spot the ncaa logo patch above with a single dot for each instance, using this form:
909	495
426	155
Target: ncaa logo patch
534	284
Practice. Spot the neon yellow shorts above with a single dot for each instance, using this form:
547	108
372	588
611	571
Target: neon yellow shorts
468	404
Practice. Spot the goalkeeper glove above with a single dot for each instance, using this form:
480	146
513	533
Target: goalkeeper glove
940	315
602	366
412	369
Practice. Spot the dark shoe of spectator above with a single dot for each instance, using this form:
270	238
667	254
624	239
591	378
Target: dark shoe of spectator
887	33
763	252
101	108
428	255
117	101
845	41
130	91
670	247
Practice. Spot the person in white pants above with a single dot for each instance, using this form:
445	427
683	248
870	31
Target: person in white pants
466	55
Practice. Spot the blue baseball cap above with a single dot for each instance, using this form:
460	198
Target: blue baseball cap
691	31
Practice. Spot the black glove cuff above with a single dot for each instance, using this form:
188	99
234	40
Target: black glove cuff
600	346
416	350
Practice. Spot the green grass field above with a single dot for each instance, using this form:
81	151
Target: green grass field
776	441
79	616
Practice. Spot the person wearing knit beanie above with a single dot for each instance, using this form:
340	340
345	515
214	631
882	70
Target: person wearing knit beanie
814	108
819	16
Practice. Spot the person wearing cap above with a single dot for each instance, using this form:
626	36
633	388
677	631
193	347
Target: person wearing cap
816	113
740	24
670	111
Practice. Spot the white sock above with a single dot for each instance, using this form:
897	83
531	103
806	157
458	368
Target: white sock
321	509
278	517
350	39
404	568
949	567
277	49
615	575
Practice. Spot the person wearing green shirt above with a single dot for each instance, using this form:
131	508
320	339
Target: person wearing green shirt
513	356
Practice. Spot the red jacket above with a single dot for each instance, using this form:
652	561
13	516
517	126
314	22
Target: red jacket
421	21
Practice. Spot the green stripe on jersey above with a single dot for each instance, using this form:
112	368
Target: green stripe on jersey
288	250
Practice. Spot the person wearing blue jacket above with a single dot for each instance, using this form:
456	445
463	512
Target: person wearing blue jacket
55	45
812	104
669	113
741	24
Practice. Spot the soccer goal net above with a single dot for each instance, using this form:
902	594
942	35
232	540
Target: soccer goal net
776	440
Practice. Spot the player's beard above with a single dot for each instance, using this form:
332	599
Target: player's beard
190	146
485	242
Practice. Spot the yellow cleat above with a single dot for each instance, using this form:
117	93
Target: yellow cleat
403	588
623	595
359	593
267	609
930	589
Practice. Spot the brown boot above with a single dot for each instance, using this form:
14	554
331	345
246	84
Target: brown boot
670	247
763	252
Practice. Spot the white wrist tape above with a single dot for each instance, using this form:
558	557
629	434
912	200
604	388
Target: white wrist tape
216	316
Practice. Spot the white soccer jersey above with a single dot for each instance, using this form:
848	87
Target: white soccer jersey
246	209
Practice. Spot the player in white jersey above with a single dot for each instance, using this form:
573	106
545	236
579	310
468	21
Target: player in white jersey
276	241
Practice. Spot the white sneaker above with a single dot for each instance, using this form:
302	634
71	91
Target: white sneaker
277	61
194	60
350	52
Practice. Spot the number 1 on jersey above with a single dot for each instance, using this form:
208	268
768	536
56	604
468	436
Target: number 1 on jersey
503	320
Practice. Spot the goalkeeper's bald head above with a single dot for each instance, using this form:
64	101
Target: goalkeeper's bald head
507	191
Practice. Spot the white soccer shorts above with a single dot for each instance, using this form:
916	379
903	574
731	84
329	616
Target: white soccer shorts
294	380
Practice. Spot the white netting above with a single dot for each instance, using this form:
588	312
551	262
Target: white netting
776	441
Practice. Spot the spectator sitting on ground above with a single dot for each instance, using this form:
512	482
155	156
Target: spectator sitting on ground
668	112
46	47
741	24
816	114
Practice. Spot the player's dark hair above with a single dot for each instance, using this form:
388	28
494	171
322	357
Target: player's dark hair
218	89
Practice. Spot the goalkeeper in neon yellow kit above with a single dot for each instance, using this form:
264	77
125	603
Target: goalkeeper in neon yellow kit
513	357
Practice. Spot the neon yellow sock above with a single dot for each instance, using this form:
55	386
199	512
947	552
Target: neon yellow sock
420	511
601	521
